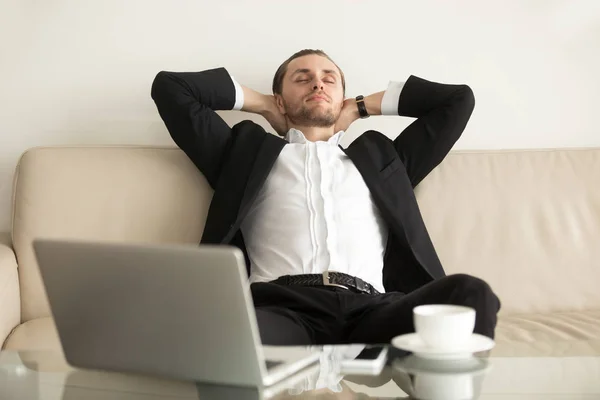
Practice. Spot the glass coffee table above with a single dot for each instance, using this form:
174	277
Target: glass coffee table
569	370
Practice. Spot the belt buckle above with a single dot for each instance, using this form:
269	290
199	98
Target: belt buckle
327	283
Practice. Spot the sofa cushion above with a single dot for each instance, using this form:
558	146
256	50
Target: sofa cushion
552	334
36	334
547	348
124	194
582	325
525	221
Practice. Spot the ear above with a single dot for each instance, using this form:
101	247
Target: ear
280	104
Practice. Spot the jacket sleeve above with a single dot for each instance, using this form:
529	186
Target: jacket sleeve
442	112
186	102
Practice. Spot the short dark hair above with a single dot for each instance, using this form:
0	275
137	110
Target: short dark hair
280	73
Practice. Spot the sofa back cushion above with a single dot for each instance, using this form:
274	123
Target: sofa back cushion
528	222
123	194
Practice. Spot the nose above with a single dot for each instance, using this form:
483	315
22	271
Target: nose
318	85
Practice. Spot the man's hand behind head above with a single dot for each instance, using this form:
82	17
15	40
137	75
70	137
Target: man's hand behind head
348	115
274	117
265	105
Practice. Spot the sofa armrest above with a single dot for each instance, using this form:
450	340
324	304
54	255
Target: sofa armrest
10	298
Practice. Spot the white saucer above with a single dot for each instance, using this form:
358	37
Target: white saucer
413	343
465	366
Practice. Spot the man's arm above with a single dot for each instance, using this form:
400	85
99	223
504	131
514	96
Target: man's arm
442	112
380	103
265	105
187	101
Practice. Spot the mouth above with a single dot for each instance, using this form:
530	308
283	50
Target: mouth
317	98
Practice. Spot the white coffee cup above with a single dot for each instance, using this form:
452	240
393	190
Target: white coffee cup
444	326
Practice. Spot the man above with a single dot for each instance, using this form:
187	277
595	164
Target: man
336	249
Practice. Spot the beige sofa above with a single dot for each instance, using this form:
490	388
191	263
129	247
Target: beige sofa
528	222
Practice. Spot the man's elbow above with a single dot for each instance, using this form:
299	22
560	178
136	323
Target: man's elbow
464	109
468	98
159	85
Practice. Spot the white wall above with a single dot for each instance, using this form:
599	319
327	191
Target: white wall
79	72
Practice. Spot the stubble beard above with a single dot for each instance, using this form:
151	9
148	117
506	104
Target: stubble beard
314	117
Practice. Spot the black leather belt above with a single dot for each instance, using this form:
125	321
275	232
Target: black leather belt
328	278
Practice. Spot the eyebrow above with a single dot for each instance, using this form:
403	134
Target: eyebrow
306	71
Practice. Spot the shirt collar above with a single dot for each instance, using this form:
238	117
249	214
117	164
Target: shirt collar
295	136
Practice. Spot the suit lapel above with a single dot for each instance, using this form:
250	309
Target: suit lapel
265	157
362	154
391	190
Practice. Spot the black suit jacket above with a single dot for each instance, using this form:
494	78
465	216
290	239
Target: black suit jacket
237	160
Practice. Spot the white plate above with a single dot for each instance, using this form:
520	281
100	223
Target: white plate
413	343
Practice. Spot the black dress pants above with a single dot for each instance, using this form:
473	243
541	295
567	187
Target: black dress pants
300	315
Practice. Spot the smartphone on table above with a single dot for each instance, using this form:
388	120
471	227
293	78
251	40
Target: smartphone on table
370	361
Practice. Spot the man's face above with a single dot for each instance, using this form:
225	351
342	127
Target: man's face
312	93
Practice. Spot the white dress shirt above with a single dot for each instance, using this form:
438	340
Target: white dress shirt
315	213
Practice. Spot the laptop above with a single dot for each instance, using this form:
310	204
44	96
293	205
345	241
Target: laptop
176	311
